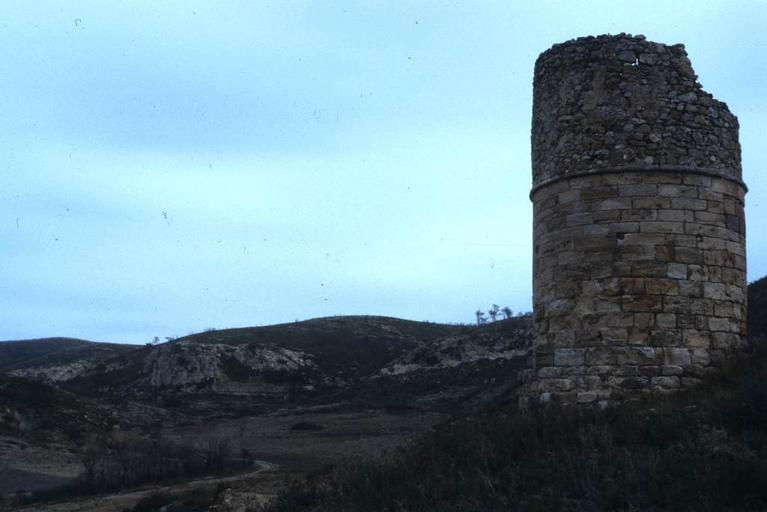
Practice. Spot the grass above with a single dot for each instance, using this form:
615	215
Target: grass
699	451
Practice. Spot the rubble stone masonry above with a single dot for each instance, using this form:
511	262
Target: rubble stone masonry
639	233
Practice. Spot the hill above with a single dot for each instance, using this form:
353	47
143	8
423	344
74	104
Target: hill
298	395
44	352
363	360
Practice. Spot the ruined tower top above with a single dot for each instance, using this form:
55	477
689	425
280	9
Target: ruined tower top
621	102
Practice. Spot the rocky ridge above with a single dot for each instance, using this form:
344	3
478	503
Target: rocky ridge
454	351
305	358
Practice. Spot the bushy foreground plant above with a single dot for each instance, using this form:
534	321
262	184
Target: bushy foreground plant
120	461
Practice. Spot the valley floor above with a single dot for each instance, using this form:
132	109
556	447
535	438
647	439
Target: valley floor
284	445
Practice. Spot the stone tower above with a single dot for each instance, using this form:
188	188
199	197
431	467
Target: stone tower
639	235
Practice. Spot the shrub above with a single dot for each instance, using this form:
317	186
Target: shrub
306	426
119	461
152	502
114	462
197	500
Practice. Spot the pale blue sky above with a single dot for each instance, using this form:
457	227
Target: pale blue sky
173	166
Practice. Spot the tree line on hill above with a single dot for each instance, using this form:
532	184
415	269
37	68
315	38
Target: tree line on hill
495	313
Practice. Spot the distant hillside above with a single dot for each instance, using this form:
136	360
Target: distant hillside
348	346
356	359
369	358
54	351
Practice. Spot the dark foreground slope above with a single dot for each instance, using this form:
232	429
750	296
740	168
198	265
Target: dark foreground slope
703	450
706	451
757	311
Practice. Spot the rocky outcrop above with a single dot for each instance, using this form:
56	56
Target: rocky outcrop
185	363
57	374
292	361
179	364
454	351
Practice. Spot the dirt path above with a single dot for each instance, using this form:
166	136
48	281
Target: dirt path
265	481
293	443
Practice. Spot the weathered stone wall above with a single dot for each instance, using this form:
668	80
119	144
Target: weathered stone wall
616	101
639	234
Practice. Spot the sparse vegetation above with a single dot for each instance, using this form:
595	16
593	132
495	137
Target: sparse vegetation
194	501
494	312
704	450
306	426
116	461
153	502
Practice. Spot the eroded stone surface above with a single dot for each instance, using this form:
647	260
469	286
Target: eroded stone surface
614	101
